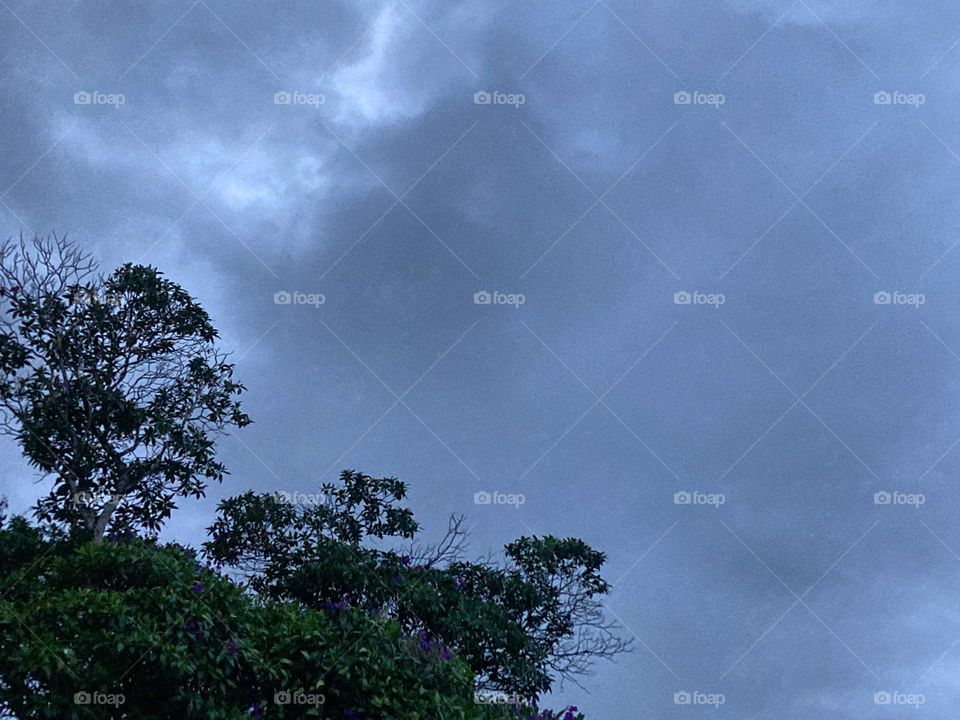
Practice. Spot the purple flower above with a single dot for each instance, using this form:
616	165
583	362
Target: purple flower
350	715
445	654
343	604
255	710
231	647
198	586
405	559
460	582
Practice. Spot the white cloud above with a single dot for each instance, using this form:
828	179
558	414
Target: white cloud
369	88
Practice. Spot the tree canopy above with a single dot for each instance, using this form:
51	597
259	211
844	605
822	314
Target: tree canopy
517	623
112	384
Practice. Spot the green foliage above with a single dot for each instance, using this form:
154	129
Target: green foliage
360	507
515	625
179	640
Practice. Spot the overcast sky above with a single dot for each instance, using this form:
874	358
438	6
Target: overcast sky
683	213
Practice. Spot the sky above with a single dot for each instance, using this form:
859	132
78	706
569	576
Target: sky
677	277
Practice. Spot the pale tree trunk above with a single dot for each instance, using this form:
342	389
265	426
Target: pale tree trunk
101	520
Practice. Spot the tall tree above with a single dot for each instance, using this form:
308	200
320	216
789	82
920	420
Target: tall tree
113	385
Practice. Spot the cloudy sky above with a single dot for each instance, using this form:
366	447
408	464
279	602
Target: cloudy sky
718	243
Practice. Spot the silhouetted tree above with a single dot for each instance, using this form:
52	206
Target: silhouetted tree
112	384
519	623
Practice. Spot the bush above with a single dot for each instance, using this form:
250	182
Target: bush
132	629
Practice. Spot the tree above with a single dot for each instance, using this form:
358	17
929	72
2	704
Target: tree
569	619
518	624
112	384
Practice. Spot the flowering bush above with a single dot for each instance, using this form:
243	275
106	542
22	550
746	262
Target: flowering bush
133	629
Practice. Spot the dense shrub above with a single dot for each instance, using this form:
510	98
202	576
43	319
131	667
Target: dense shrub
172	638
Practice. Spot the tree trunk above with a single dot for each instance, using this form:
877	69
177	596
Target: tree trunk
100	526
